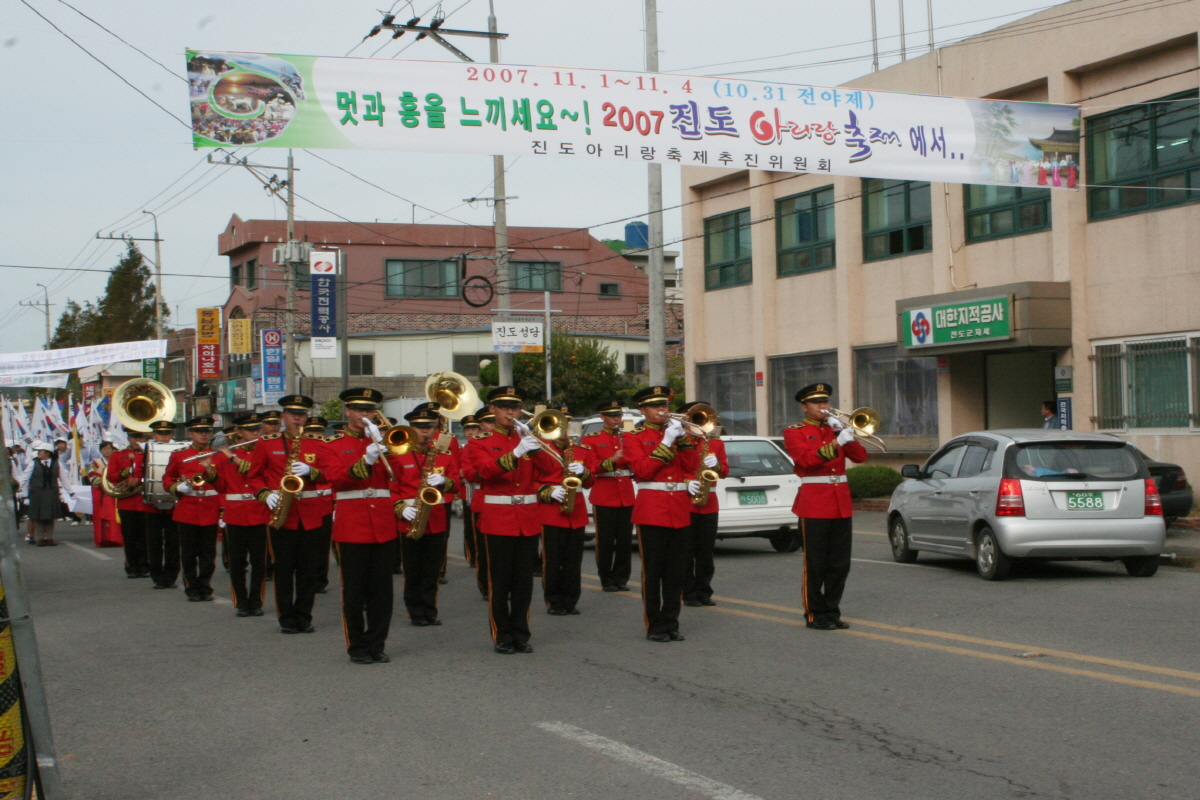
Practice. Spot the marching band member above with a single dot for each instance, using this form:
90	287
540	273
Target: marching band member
504	463
424	556
302	541
162	535
563	532
819	445
612	500
470	430
486	420
272	422
697	584
127	470
364	527
198	509
664	462
316	426
245	517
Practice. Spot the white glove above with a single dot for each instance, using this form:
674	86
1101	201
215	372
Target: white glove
22	496
435	479
835	423
845	437
373	431
527	444
184	488
409	513
272	500
673	431
374	451
576	468
221	523
693	488
710	461
300	468
558	493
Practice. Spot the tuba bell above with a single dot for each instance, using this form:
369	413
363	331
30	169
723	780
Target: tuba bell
455	396
141	401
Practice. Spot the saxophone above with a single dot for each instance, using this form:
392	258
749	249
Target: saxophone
708	477
571	483
427	497
289	486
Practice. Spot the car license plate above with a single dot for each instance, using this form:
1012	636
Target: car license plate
757	497
1085	501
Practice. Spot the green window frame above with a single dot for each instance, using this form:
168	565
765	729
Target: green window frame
897	218
727	250
251	274
535	276
405	278
804	233
1149	383
998	212
235	275
1144	157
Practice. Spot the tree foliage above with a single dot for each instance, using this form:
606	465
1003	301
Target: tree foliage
585	372
124	313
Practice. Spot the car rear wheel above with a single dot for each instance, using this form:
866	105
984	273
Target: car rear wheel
990	560
786	541
1141	566
898	536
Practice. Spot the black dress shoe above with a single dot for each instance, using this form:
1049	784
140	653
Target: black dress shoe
160	586
692	603
707	601
624	587
131	575
195	598
822	626
283	629
256	612
381	658
557	612
610	588
841	626
208	598
505	648
362	659
322	590
308	629
171	585
242	612
572	611
676	636
658	637
442	580
523	647
419	622
433	620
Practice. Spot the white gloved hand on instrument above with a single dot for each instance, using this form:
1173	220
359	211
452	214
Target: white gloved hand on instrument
559	494
710	461
409	513
373	431
272	500
672	432
693	488
435	479
528	444
835	422
845	437
374	451
185	488
576	468
300	468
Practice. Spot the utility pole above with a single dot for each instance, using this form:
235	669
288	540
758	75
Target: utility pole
157	278
654	268
546	339
903	50
874	40
45	306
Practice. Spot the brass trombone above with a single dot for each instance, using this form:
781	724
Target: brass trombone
699	421
863	421
546	426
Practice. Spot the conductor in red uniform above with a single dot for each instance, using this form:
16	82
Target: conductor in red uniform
198	509
612	499
505	463
819	445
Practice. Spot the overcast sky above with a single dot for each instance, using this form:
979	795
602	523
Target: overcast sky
84	152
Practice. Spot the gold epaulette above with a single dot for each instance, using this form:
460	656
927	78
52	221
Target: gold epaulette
584	446
796	425
480	435
334	437
270	436
313	436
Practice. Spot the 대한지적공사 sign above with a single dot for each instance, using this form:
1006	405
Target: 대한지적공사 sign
263	100
958	323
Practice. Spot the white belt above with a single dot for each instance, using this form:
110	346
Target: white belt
358	494
239	497
616	473
659	486
203	493
824	479
510	499
314	493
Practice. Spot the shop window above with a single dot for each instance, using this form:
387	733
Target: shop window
362	364
1147	384
788	374
729	387
903	389
996	212
535	276
896	218
635	364
804	232
421	278
1144	157
727	250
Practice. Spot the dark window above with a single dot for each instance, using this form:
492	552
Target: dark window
1144	157
238	366
251	274
727	250
977	460
896	218
903	389
610	290
301	276
994	212
942	465
1145	384
635	363
729	386
788	374
422	278
469	363
235	275
804	232
535	276
362	364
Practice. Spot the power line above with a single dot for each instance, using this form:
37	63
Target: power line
109	271
122	41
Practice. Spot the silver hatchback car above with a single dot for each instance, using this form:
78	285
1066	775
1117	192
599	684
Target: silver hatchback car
995	496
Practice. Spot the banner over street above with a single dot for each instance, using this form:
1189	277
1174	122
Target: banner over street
261	100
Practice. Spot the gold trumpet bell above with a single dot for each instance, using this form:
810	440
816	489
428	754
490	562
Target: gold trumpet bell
141	401
454	394
700	420
864	421
400	439
549	425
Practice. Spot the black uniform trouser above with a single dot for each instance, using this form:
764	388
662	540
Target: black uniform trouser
133	533
322	579
664	553
826	566
469	544
481	556
198	552
298	553
423	559
366	570
562	563
697	585
614	544
510	585
247	543
162	546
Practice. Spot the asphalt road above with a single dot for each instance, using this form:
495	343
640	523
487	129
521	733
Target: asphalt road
1067	681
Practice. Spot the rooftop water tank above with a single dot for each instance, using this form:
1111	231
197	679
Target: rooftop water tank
637	236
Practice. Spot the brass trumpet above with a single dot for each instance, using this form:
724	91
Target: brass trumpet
864	421
699	421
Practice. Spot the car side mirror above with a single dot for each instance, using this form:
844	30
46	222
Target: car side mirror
911	471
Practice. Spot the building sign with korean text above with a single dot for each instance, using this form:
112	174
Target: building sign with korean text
241	332
517	337
958	323
208	343
272	361
323	269
264	100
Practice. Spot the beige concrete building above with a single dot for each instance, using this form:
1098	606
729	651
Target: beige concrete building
804	277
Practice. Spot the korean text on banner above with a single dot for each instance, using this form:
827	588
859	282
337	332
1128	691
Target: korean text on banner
517	337
272	359
264	100
79	357
240	333
208	326
208	344
52	380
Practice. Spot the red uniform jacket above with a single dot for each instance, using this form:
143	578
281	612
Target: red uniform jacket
368	517
130	463
103	506
474	488
408	480
651	462
609	491
717	448
550	476
203	505
813	446
489	462
271	457
233	478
